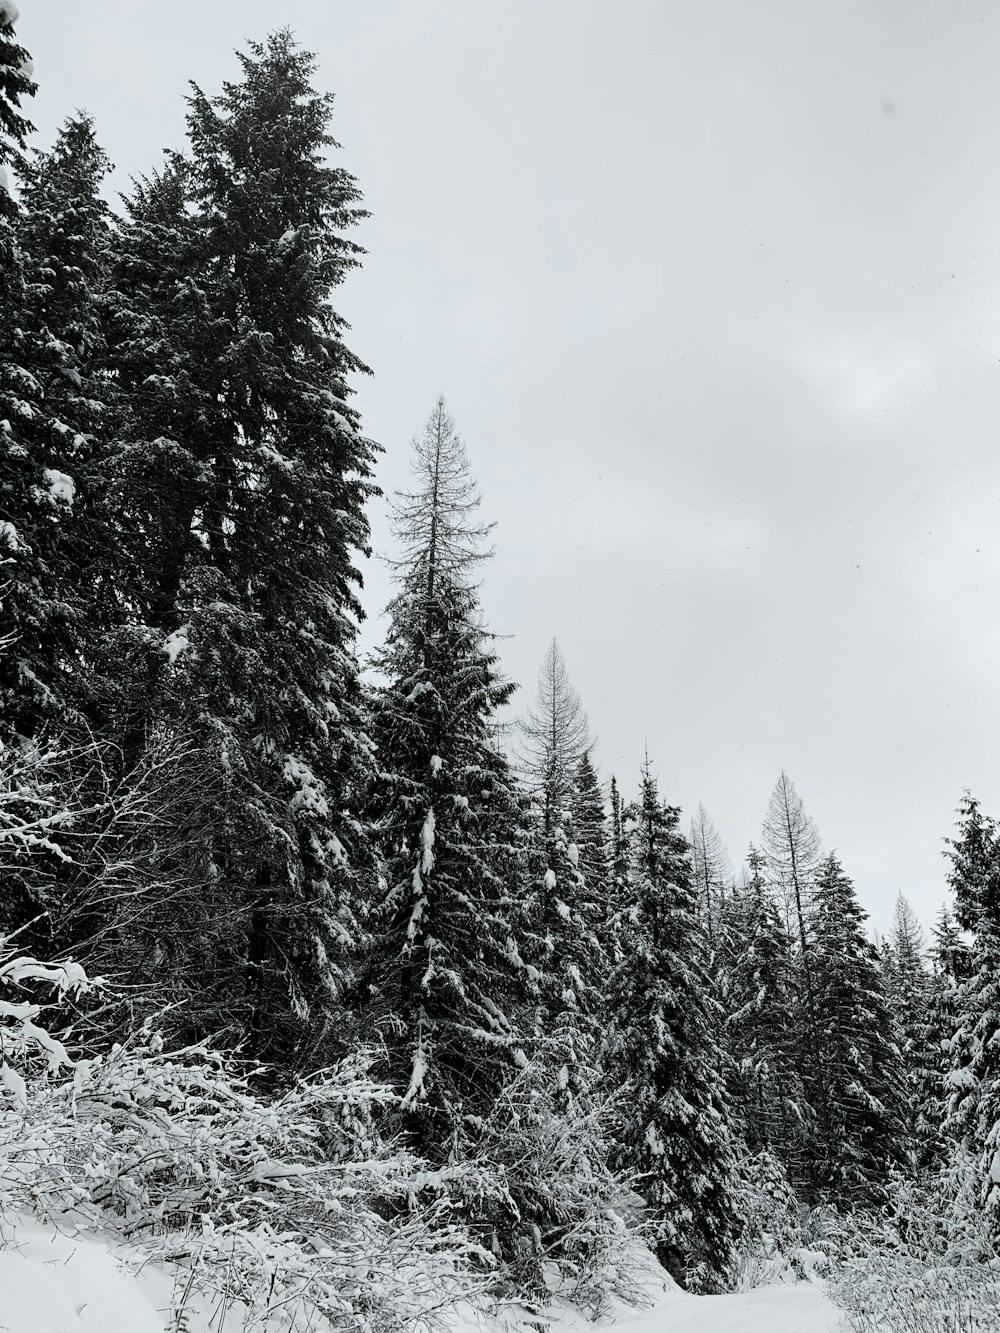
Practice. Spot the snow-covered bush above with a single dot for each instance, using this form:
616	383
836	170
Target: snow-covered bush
928	1264
537	1192
772	1222
287	1207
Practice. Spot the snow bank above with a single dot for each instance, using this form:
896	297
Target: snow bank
56	1283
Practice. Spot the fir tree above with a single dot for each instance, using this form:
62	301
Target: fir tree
244	477
447	977
973	1079
759	993
676	1130
590	824
857	1086
907	985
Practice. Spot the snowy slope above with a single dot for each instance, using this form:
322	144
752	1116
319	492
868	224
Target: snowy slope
51	1282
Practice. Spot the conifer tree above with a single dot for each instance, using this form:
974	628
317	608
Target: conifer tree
564	943
974	1077
759	993
244	475
950	967
590	826
676	1128
907	985
856	1086
63	237
447	980
555	735
711	866
791	847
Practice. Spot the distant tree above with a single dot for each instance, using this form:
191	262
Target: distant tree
590	826
554	737
792	851
713	870
447	980
676	1127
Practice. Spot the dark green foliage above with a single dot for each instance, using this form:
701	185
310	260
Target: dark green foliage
856	1082
759	994
447	980
240	476
973	1079
676	1132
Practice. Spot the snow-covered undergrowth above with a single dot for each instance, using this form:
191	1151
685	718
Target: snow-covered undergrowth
929	1265
283	1210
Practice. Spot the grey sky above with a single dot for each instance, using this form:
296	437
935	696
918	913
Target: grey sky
713	291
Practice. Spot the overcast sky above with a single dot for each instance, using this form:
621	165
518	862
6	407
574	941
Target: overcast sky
713	291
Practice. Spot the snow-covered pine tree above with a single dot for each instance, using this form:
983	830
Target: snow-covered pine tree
974	1077
759	994
16	84
857	1085
446	980
907	986
564	946
63	235
676	1128
590	828
36	604
245	477
949	968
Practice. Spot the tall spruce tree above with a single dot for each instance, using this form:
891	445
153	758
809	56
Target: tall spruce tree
857	1084
973	1079
39	614
759	994
447	982
676	1127
908	989
244	476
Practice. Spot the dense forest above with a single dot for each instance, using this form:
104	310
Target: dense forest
350	901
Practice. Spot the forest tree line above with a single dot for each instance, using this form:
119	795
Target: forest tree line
208	802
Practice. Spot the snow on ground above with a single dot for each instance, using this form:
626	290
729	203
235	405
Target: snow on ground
55	1282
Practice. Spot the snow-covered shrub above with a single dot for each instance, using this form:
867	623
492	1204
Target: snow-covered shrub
772	1222
289	1206
26	1045
536	1190
928	1264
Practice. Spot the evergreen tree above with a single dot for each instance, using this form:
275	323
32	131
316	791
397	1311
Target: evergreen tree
63	237
447	979
950	967
676	1128
244	477
974	1077
759	993
15	85
857	1085
907	986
